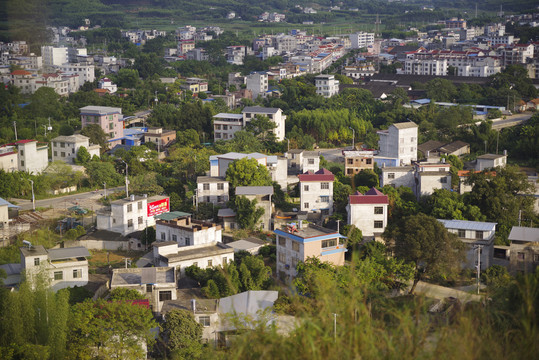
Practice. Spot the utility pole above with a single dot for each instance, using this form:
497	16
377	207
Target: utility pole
126	180
33	197
478	247
105	185
335	327
338	226
353	138
15	126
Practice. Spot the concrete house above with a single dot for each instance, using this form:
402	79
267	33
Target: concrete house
156	283
431	176
326	85
212	190
274	114
478	236
524	249
368	212
357	160
257	82
295	244
489	161
180	228
398	176
399	142
110	119
132	214
300	161
262	195
316	191
169	253
160	136
24	155
65	148
225	125
64	268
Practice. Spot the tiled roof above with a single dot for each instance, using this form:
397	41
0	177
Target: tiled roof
320	175
373	196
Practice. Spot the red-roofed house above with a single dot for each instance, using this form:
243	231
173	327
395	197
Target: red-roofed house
368	212
316	191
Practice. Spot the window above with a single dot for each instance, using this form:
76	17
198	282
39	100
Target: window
282	241
378	224
536	257
329	243
225	127
149	288
324	199
129	207
36	261
130	223
350	171
174	238
55	153
111	126
443	180
139	205
62	145
305	187
205	186
324	186
217	127
204	320
305	205
77	273
479	235
225	260
163	236
140	220
111	134
165	295
295	246
63	154
219	199
521	256
368	161
350	161
210	263
378	210
282	258
310	161
390	175
22	152
58	275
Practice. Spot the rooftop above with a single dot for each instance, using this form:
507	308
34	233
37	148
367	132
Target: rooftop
373	196
260	110
33	251
309	232
210	179
101	110
490	156
68	253
228	116
520	233
254	190
468	225
405	125
172	215
187	253
71	138
320	175
142	276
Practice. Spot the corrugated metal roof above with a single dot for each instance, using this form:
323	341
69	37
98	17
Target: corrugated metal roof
68	253
254	190
521	233
172	215
468	225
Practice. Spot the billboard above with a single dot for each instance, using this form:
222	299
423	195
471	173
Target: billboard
158	207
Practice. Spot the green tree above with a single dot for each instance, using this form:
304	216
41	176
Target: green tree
261	126
183	335
247	172
66	130
122	294
366	177
247	213
83	156
441	90
102	172
425	242
254	274
97	135
148	236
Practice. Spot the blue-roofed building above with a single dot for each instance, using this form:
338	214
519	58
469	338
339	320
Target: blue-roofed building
478	237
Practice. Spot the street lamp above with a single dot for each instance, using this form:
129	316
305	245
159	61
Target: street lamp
33	197
126	181
353	138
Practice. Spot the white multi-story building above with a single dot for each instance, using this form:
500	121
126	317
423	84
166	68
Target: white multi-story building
64	268
65	148
132	214
107	84
368	212
397	176
399	142
326	85
257	82
212	190
274	114
180	228
478	237
285	43
316	191
225	124
488	161
300	160
361	40
53	56
24	155
86	71
437	67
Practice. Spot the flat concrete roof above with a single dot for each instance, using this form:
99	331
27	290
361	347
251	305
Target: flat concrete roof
199	252
33	251
141	276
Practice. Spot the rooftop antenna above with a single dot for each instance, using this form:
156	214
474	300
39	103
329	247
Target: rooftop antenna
27	243
476	10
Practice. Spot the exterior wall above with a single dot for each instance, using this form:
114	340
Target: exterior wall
184	236
361	40
33	158
109	120
483	164
257	83
363	217
263	202
53	56
396	177
399	143
354	164
310	163
68	279
224	163
86	72
208	191
326	85
311	194
428	182
278	118
9	162
487	252
67	150
203	262
524	256
279	171
225	128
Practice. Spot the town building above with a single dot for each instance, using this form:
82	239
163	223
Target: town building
85	70
65	148
169	253
53	56
132	214
326	85
361	40
316	191
257	82
296	244
524	250
67	267
107	84
195	85
396	176
478	237
110	119
399	142
489	161
159	136
368	212
179	227
225	125
262	195
24	155
212	190
274	114
358	160
300	161
431	176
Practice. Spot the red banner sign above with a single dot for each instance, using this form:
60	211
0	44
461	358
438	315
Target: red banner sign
158	207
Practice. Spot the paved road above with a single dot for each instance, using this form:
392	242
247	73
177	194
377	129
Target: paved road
87	200
511	121
441	292
333	155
